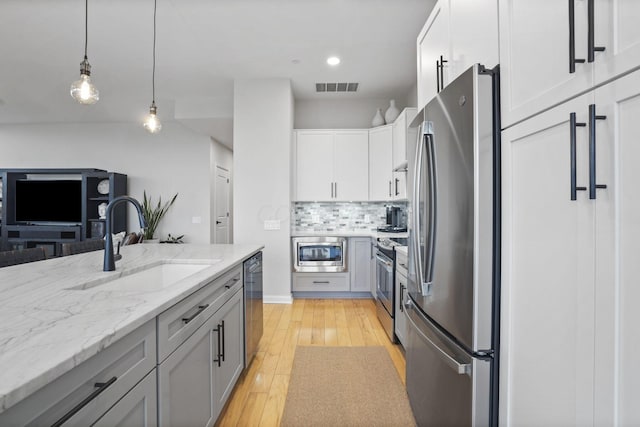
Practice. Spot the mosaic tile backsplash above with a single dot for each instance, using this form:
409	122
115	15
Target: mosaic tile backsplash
330	216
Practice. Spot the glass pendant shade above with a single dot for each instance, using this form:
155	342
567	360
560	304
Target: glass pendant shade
152	123
84	91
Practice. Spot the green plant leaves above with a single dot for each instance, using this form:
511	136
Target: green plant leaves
153	214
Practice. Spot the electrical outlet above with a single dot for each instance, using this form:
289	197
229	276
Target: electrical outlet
272	224
367	218
315	219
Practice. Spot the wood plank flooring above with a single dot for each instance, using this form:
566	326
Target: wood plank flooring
259	396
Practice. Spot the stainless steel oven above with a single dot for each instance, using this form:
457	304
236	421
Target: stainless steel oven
319	254
385	289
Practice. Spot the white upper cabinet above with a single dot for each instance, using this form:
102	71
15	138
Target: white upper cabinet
456	35
402	136
432	44
351	165
574	51
380	170
314	165
616	29
332	165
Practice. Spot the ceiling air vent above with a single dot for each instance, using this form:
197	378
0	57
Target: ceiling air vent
336	87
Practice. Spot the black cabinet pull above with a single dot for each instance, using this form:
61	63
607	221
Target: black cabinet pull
592	48
320	281
222	329
201	308
574	124
218	360
440	73
232	282
100	387
592	151
572	38
401	298
397	182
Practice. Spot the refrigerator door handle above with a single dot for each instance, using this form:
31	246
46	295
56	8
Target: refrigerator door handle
433	207
459	368
415	247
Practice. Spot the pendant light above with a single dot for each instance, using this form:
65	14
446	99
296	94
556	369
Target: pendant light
83	90
152	123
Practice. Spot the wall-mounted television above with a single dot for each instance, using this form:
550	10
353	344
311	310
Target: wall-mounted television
48	201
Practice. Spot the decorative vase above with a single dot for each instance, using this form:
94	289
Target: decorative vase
392	112
378	120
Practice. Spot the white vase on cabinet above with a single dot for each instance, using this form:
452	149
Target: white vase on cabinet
378	120
392	112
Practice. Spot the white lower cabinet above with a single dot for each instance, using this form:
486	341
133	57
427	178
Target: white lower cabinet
570	267
138	408
196	379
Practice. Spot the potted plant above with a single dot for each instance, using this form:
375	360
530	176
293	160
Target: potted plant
153	214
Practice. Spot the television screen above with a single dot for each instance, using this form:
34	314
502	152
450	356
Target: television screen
53	201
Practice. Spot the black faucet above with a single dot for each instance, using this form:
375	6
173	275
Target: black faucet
109	261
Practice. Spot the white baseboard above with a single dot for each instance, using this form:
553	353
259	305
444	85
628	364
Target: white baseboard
278	299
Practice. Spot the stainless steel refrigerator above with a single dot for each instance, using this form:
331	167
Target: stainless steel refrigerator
454	255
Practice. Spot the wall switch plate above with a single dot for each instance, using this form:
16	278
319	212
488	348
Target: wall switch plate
315	219
196	220
272	224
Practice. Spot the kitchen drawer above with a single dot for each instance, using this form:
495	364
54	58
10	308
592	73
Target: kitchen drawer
117	368
177	323
328	282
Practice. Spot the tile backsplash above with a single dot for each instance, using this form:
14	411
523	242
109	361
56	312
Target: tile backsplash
330	216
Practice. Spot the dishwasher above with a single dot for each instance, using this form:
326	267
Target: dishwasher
252	306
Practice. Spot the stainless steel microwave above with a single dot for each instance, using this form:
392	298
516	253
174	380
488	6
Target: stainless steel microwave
319	254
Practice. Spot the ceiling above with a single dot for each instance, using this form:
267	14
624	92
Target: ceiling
202	46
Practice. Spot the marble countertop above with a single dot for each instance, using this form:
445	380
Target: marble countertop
46	329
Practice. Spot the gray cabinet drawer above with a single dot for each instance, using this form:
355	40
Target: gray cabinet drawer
328	282
115	370
177	323
402	264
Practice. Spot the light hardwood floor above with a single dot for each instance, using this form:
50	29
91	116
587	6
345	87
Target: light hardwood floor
259	396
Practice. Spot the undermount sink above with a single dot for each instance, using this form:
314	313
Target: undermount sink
149	278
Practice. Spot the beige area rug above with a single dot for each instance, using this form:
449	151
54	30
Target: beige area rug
345	386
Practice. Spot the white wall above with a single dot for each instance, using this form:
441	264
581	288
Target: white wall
263	124
339	113
174	161
221	156
411	98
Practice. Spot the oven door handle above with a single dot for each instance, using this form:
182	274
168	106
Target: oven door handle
384	261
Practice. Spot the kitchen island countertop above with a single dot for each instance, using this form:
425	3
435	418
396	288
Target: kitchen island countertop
47	329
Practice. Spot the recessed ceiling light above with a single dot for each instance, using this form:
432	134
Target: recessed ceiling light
333	60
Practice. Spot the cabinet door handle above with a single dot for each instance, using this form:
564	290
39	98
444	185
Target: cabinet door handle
396	183
218	360
592	151
336	187
231	282
201	308
592	48
390	192
572	38
401	304
573	125
100	387
441	73
222	329
318	282
438	76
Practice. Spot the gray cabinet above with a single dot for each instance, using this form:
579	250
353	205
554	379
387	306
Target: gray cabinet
228	343
84	394
400	296
195	381
138	408
359	264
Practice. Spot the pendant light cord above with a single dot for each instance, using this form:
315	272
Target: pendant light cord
86	26
153	74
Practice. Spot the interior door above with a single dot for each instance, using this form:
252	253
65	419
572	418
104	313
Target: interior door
222	205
